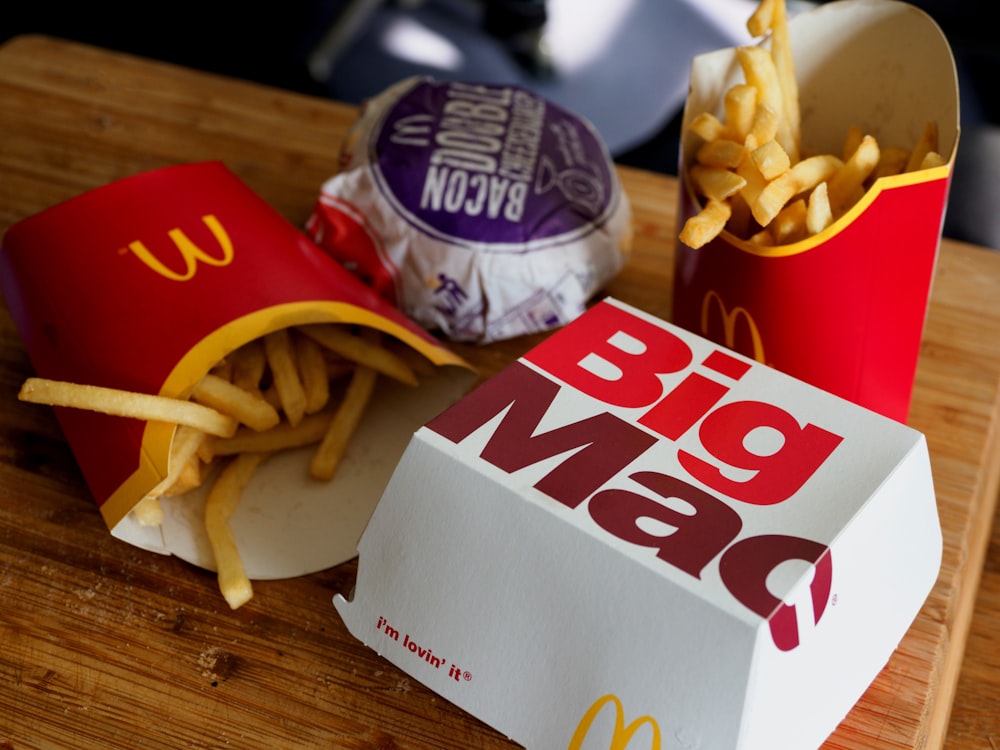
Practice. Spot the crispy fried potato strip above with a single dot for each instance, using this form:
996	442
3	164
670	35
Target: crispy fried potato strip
123	403
222	501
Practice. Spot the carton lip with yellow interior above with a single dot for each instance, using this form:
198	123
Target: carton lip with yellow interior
163	274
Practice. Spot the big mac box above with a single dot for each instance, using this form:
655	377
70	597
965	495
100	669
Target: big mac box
634	536
842	308
146	284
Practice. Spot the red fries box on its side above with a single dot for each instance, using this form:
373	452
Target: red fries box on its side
146	283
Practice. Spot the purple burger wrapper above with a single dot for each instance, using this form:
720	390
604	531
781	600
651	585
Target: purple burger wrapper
481	210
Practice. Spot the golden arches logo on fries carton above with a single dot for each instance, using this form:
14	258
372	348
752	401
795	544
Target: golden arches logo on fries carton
816	169
189	321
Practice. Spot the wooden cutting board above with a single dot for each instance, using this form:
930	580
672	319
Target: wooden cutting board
105	645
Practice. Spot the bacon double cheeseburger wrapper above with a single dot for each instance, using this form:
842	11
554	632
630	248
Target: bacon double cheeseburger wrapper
145	284
482	211
843	310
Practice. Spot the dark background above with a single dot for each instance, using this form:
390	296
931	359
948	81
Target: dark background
269	42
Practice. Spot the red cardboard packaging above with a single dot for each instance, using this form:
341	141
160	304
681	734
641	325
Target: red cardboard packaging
843	310
144	284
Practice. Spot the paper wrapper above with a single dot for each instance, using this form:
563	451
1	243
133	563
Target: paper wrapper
845	309
482	211
145	284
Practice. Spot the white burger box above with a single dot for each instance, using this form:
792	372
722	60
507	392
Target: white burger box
635	537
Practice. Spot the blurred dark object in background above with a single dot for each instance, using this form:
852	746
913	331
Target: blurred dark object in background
974	202
621	64
633	87
265	43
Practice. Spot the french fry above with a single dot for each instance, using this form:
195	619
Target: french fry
220	504
225	397
271	396
338	368
183	448
721	153
754	180
764	127
932	159
790	223
758	68
928	142
788	135
819	215
127	404
223	369
285	374
708	126
190	476
248	366
771	160
740	218
804	176
761	19
763	238
706	225
312	370
285	436
851	141
850	178
892	160
715	183
331	449
739	106
357	349
184	473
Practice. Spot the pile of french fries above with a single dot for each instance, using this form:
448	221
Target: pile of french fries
295	387
749	170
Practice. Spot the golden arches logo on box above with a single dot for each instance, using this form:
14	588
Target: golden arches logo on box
189	252
622	733
729	319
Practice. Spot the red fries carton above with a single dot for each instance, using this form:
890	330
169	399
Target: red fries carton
145	284
635	536
844	309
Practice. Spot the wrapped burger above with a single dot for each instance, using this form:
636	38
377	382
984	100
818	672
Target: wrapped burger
480	210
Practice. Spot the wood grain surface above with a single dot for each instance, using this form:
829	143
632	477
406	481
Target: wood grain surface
105	645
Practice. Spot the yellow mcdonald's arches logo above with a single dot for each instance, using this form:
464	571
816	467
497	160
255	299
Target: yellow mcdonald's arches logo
729	321
622	734
190	253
